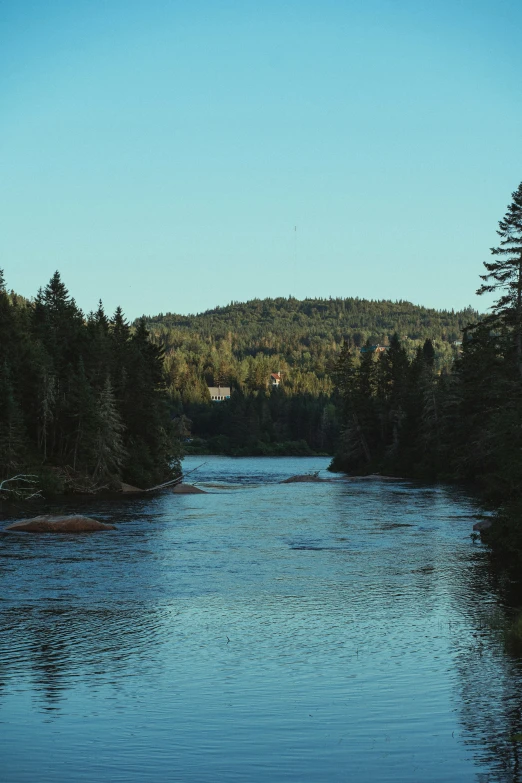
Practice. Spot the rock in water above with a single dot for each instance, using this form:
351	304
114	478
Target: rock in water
307	477
59	524
188	489
485	524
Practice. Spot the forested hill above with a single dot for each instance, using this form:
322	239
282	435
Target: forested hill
240	345
242	342
327	319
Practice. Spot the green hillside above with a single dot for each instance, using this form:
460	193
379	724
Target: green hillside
241	344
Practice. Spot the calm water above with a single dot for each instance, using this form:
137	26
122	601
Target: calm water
341	631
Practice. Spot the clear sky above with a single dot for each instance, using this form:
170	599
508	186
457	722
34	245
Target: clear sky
160	153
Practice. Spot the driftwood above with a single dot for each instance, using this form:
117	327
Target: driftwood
21	493
175	481
58	524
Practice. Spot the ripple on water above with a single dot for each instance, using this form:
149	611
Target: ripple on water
299	632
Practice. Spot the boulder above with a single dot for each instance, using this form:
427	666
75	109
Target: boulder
313	477
188	489
484	524
58	524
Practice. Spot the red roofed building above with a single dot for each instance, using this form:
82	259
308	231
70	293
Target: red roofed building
275	378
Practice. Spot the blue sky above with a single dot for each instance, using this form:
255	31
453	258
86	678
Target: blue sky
160	154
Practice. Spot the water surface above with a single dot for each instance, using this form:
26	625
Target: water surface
330	631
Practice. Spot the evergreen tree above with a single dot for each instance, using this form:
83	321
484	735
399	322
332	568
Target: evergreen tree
58	323
428	353
153	453
505	273
109	450
357	384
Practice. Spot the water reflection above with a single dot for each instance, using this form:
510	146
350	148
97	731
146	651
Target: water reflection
55	647
489	684
490	698
271	632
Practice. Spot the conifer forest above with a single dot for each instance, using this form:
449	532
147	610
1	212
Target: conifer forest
83	403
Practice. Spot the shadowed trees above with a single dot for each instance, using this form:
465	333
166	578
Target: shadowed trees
81	398
461	422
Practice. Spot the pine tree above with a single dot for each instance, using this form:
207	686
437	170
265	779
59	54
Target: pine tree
59	323
97	354
9	329
505	274
487	385
119	335
153	452
428	353
356	380
101	319
108	442
421	434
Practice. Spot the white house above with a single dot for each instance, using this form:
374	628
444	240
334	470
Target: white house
275	378
219	393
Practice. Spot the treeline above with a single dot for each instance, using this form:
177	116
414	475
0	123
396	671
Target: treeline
264	423
402	415
242	344
83	401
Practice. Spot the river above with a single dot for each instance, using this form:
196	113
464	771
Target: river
346	630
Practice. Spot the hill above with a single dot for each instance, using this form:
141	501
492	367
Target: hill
239	345
225	345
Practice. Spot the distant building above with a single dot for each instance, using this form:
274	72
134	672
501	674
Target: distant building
219	393
373	349
275	378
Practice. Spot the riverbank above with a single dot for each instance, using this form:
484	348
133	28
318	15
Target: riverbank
504	538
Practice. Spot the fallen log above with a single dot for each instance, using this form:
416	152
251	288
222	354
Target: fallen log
174	482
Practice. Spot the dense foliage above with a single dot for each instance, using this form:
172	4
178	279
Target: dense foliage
83	402
242	344
404	416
